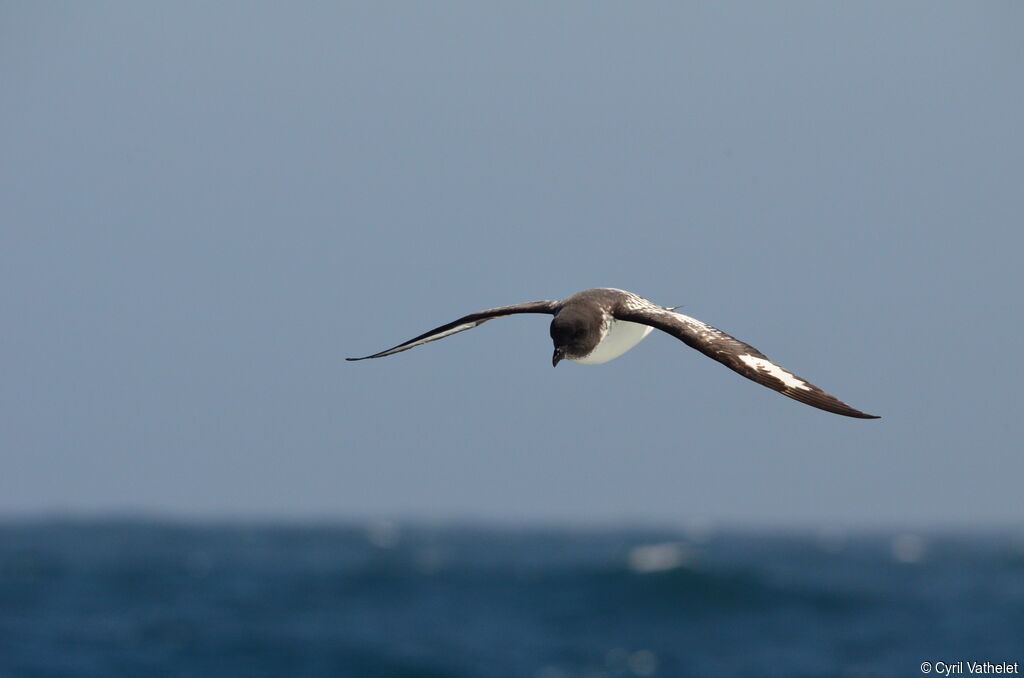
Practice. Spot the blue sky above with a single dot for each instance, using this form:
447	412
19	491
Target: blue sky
205	208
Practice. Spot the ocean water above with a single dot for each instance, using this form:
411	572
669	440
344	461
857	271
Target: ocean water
112	599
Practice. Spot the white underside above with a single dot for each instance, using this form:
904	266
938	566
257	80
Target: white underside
621	337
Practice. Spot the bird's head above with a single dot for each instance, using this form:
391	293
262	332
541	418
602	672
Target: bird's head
575	335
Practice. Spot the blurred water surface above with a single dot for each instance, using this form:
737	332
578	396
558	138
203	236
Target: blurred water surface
106	599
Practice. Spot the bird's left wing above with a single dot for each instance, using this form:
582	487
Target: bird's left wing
467	322
736	355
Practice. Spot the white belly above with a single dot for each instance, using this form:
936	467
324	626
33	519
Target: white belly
621	337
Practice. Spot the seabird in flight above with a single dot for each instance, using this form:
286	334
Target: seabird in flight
596	325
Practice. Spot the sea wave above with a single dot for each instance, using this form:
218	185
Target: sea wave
94	599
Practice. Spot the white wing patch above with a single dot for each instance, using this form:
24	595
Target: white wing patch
441	335
433	337
774	370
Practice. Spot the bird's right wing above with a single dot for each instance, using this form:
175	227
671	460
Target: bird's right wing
467	322
736	355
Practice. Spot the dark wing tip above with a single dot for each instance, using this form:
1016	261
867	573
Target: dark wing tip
815	397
